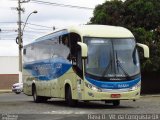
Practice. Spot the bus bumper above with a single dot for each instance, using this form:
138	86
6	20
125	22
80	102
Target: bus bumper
128	95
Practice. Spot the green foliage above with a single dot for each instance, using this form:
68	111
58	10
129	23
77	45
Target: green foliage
111	13
142	17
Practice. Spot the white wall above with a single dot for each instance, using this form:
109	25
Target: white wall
9	65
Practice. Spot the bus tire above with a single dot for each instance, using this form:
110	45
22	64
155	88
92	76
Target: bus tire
36	98
116	102
69	99
43	99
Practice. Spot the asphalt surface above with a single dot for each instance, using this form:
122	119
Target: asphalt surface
22	107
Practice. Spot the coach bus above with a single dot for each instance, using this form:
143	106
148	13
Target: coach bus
84	63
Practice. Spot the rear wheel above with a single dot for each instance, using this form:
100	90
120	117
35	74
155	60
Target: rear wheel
69	99
116	102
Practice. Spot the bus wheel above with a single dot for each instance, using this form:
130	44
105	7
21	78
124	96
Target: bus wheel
69	99
116	102
36	98
43	99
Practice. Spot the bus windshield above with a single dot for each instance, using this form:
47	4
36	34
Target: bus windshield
112	57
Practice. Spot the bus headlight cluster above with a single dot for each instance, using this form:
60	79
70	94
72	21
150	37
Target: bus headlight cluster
138	85
92	87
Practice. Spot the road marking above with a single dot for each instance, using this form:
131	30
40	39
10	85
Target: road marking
67	112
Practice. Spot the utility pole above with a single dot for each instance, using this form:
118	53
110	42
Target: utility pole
19	38
20	44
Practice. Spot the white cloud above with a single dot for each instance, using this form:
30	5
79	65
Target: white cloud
8	48
47	16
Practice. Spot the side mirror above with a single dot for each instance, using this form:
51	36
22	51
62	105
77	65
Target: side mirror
84	49
145	48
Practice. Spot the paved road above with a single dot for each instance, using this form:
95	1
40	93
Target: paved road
12	104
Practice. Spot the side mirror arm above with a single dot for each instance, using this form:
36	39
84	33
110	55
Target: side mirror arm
145	49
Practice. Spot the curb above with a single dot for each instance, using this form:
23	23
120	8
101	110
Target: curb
6	91
150	95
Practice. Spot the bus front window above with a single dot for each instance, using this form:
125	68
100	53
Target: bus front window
111	57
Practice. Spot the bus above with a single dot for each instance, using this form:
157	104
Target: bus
84	63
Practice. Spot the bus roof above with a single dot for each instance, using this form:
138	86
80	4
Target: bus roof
105	31
101	31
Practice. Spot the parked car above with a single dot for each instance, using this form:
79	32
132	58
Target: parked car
17	88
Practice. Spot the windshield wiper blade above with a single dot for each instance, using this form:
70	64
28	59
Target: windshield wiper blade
108	66
119	65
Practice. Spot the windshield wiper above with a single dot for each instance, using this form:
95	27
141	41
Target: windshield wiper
108	66
119	65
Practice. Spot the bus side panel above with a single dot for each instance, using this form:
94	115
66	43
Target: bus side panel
27	82
53	88
68	78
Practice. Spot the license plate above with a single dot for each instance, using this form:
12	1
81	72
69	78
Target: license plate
115	95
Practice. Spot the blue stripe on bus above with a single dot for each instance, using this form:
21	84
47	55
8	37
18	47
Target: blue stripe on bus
48	69
114	85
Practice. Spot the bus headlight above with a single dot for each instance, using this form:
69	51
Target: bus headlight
92	87
138	85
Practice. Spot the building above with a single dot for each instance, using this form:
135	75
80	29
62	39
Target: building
8	71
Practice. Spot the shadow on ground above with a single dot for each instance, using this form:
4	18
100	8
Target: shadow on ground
86	105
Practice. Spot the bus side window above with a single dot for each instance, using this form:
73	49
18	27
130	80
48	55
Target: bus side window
24	51
65	40
60	39
74	38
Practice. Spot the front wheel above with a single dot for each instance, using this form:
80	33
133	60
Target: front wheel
69	99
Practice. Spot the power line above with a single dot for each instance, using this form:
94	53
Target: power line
8	27
4	32
28	24
39	25
60	5
34	31
8	30
6	35
12	31
6	39
37	28
7	22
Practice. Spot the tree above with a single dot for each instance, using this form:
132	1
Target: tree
141	17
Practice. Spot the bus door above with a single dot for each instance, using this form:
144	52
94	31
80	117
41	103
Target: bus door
79	75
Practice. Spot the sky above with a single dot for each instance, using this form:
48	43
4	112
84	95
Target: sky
48	16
